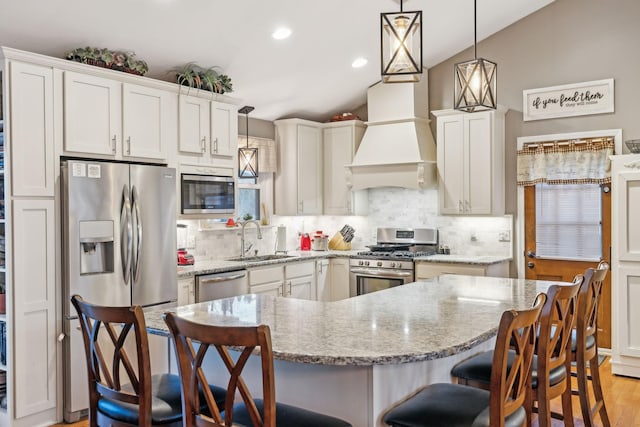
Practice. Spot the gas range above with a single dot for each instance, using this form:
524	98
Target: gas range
390	262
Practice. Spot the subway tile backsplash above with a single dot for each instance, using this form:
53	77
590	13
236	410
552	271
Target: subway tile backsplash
388	207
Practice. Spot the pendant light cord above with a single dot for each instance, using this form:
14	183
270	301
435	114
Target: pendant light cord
475	33
247	118
400	6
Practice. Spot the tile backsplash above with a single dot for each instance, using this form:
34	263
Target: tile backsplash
388	207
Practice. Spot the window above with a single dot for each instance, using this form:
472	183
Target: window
568	221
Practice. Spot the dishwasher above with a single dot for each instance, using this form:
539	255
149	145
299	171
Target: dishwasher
221	285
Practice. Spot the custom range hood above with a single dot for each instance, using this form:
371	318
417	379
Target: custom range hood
398	149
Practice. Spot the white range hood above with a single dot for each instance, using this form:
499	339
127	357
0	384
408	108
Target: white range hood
398	149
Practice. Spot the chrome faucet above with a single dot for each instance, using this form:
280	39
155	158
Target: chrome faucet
243	224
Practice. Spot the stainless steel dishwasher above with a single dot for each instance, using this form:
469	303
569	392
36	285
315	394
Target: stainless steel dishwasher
221	285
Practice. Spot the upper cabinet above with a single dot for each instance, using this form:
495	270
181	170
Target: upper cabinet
298	181
31	111
117	120
208	130
340	142
471	162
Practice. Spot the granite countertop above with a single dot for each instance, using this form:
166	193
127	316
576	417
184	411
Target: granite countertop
419	321
221	266
464	259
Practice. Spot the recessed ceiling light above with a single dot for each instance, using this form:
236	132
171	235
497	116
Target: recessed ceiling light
359	62
281	33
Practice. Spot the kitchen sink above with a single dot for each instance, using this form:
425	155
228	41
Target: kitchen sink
257	258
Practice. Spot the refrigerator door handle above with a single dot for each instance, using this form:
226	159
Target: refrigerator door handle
126	234
137	248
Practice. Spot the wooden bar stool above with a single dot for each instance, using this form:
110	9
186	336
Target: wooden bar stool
446	405
585	347
250	412
552	367
146	400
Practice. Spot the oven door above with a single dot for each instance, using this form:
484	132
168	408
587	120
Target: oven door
363	280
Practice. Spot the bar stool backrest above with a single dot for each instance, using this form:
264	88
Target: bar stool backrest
107	358
510	387
187	336
590	292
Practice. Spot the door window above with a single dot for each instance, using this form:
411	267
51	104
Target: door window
568	221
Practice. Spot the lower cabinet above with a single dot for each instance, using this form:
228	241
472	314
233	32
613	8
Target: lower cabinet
323	280
429	270
295	280
186	291
339	268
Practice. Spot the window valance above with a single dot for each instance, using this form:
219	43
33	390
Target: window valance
584	161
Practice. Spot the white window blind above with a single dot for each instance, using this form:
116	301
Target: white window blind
568	221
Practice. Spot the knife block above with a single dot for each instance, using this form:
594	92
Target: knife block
337	243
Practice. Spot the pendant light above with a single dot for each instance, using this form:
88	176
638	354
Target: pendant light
476	81
401	46
247	157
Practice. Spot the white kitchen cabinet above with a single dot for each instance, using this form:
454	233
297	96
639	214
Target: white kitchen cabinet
300	280
296	280
32	351
298	181
339	278
625	260
92	114
470	150
186	291
428	270
340	142
32	130
148	121
208	130
120	121
323	280
268	280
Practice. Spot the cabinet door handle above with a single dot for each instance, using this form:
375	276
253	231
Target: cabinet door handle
467	206
203	143
289	288
113	144
301	206
215	145
460	208
280	290
129	145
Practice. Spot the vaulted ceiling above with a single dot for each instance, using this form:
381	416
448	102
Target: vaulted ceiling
307	75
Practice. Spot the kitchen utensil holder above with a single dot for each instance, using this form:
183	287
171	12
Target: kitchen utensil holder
337	243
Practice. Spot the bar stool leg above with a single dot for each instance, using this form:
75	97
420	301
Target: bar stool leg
597	392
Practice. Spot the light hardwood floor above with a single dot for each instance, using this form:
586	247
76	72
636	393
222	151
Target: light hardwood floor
622	397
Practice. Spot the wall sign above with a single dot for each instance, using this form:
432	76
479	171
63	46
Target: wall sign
578	99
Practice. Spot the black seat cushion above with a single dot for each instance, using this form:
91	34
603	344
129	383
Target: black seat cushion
478	368
166	404
287	416
591	341
448	405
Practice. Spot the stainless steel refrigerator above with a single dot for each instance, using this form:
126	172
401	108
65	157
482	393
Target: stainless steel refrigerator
119	234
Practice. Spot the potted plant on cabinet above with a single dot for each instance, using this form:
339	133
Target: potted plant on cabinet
209	79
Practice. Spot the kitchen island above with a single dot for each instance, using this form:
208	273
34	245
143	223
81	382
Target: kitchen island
358	357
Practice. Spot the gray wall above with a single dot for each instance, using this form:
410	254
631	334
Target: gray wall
257	127
568	41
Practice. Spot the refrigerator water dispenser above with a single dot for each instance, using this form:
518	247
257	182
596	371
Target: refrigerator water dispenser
96	247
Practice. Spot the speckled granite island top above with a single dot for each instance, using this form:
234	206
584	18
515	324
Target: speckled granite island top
415	322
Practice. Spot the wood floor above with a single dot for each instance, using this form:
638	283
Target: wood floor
622	397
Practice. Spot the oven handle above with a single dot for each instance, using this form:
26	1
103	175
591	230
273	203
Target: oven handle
381	273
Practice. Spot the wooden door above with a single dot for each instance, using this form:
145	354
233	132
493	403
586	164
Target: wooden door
194	123
224	130
144	114
539	267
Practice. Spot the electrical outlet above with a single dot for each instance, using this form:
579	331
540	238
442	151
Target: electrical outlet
504	236
191	242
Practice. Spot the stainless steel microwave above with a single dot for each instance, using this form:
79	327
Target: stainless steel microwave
207	194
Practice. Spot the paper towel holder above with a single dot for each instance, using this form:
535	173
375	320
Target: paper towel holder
281	240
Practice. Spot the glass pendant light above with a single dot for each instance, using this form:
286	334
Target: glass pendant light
247	157
401	46
475	81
